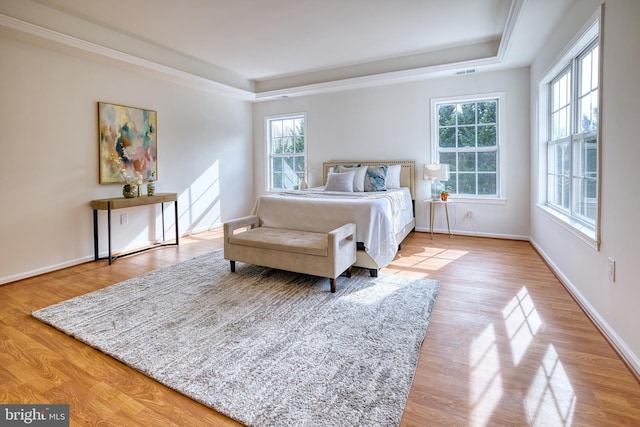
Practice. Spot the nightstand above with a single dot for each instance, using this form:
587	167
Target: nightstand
432	207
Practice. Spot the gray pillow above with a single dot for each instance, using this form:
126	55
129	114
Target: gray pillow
358	178
340	182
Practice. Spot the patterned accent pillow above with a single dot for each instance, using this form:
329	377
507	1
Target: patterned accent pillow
375	179
358	179
340	182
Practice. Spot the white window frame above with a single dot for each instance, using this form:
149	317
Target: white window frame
294	175
500	197
588	231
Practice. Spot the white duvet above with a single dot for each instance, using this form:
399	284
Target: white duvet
378	216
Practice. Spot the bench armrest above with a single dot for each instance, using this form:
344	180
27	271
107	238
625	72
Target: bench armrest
347	231
244	222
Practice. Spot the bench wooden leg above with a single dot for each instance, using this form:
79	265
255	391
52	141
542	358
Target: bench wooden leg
349	270
233	266
333	285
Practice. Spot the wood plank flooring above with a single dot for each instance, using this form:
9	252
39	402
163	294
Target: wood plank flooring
507	345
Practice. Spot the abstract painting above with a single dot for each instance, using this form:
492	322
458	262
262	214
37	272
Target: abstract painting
128	144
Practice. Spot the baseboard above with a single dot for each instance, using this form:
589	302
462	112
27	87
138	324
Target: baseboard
43	270
619	345
473	234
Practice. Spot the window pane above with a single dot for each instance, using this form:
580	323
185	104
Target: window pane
276	128
566	195
288	127
487	161
467	114
585	76
447	137
467	162
277	181
466	183
563	122
276	164
467	136
487	184
487	136
299	164
287	144
299	126
449	159
447	115
487	112
585	114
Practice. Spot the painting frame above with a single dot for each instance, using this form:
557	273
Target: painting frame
127	144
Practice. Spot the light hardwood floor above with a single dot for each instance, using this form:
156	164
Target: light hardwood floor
507	345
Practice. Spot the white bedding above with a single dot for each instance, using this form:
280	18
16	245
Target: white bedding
378	216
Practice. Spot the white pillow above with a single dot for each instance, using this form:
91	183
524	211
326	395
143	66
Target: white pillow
393	176
358	178
340	182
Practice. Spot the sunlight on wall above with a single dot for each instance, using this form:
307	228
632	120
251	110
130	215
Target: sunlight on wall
551	399
201	200
485	386
522	322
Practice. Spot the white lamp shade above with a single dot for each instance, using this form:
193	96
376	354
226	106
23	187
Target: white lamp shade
435	172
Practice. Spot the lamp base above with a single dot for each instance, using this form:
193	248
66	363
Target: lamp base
436	188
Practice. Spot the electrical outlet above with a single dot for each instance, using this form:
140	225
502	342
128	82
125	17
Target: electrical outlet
124	219
611	269
469	214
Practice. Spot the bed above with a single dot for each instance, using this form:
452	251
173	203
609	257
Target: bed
383	218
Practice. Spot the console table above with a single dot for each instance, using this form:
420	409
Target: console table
122	202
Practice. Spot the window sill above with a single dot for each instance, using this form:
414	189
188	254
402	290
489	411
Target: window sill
478	200
585	234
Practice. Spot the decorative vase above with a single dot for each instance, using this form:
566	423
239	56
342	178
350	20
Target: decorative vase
151	188
129	191
303	184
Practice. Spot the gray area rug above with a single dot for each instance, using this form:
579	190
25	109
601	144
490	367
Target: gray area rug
262	346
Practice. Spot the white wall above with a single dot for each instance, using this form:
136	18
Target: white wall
394	122
584	269
49	154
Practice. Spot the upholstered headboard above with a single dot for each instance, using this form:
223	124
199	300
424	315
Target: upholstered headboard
407	171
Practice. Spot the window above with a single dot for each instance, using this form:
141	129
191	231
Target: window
468	139
286	142
572	146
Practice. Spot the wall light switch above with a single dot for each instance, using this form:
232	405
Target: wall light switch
124	219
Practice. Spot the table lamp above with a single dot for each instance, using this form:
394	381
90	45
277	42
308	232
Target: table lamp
436	173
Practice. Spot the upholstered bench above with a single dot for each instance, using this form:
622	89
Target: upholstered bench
319	254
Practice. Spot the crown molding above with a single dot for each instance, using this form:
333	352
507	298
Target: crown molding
181	76
74	42
509	27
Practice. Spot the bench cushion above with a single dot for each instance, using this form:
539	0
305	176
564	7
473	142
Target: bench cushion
302	242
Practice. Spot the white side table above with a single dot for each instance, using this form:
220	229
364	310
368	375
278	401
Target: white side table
432	206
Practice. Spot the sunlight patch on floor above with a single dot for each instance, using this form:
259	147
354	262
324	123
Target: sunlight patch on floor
384	286
485	385
430	259
522	322
551	399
